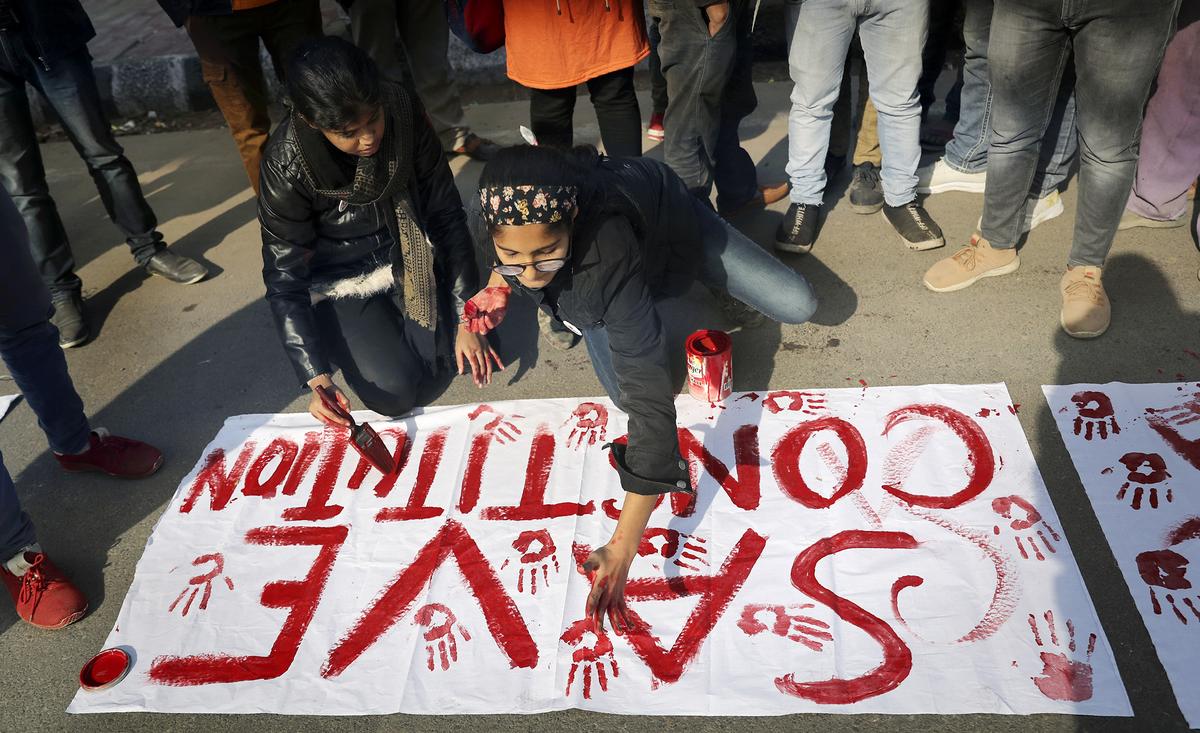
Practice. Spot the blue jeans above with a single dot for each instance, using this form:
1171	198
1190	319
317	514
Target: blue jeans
892	33
967	152
1117	47
732	262
69	85
16	529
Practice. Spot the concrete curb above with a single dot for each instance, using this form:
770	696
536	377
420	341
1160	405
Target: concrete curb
173	83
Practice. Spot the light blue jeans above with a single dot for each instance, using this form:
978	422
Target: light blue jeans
892	33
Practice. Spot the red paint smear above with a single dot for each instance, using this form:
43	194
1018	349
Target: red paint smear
981	464
752	396
317	508
1007	592
1014	408
897	658
1188	450
1192	354
786	461
308	454
299	596
610	505
904	581
1188	529
217	480
281	448
504	620
744	490
533	504
399	459
473	476
985	412
431	460
835	464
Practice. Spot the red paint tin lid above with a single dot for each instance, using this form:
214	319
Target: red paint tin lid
105	669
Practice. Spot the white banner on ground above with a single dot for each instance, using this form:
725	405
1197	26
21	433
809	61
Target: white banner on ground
887	550
1137	450
6	403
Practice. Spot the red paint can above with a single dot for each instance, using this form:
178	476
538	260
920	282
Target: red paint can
710	365
105	669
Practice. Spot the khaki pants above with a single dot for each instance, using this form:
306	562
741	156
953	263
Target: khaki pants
228	49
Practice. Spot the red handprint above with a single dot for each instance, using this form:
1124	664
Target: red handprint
684	550
794	625
1026	516
204	580
591	424
1168	569
590	657
543	553
809	403
1062	677
438	622
486	309
1155	473
1170	424
1096	416
502	426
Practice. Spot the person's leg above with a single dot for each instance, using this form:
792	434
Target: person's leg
658	82
23	176
696	67
967	150
16	528
1060	143
373	28
286	26
70	88
842	122
734	173
596	340
818	33
426	40
365	338
866	143
37	365
1119	45
933	53
551	116
228	49
732	262
1170	149
892	37
1028	51
616	104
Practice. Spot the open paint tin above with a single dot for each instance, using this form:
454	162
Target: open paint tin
105	669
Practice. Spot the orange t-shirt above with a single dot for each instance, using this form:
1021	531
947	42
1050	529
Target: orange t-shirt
549	50
250	4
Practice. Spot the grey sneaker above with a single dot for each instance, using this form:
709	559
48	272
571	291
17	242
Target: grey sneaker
560	339
70	320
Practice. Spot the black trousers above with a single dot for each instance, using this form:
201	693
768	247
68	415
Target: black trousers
552	113
365	338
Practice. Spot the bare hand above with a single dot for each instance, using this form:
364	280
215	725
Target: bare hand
717	14
486	309
474	351
611	569
317	408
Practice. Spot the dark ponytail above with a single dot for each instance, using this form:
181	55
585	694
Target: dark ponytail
333	83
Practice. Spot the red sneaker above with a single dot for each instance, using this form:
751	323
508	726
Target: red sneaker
43	595
114	455
654	130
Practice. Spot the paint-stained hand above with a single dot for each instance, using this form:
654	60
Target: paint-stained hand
317	408
486	309
608	568
472	350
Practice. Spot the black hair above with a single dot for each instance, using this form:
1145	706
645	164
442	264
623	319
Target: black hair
332	82
581	167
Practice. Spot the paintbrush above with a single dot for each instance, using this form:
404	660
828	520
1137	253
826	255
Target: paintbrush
363	437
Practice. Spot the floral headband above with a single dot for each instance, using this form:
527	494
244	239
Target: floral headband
518	205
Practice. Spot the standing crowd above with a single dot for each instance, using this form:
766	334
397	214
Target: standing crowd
369	254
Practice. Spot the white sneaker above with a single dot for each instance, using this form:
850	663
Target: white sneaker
1046	208
938	177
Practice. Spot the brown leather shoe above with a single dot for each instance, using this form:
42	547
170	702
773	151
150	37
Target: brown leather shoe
765	196
477	148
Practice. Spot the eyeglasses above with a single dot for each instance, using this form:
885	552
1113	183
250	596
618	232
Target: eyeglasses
551	265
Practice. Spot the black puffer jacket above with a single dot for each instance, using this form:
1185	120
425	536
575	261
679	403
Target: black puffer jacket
620	264
53	29
308	238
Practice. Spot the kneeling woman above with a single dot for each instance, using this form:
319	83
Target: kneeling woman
366	254
595	242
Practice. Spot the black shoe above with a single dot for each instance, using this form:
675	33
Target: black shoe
798	230
866	191
916	227
175	268
68	318
737	311
833	166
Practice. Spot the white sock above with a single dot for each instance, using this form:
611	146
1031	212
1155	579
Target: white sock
17	564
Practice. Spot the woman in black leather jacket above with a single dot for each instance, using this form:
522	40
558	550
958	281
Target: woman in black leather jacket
366	254
595	241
